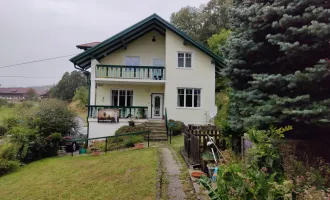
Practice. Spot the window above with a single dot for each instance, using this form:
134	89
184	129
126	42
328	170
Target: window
184	60
189	98
132	61
122	97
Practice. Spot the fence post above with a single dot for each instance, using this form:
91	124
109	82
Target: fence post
171	137
148	138
106	145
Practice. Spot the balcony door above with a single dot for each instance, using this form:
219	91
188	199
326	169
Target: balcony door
132	61
157	106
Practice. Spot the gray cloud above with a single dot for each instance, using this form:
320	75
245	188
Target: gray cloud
38	29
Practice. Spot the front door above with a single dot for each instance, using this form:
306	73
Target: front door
157	106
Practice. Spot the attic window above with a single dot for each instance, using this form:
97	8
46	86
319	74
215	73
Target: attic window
184	59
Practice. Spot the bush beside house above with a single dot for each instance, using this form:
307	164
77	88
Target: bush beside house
35	132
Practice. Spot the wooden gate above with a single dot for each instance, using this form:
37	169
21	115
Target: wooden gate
191	148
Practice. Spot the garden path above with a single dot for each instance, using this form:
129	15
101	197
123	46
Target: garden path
172	172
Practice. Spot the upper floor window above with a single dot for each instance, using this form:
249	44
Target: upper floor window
132	61
184	59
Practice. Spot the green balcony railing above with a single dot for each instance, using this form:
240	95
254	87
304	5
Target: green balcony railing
130	72
104	113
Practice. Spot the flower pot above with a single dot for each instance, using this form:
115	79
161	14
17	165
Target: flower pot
139	146
131	123
96	153
61	153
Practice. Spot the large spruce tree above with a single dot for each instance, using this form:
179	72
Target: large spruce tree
278	66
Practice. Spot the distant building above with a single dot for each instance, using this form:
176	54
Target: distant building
44	94
13	93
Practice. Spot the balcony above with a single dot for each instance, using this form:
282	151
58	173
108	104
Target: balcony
151	73
114	113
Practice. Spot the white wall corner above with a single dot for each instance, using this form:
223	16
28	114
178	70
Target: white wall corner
94	62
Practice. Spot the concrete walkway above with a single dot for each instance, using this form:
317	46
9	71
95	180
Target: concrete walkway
172	172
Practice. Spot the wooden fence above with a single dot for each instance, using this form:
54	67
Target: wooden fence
195	143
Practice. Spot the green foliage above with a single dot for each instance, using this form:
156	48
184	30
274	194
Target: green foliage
21	137
277	66
207	156
176	126
7	166
203	22
81	95
54	116
3	130
31	94
8	151
260	177
66	87
130	129
3	102
11	121
216	41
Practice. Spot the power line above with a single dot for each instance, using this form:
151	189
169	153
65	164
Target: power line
34	61
26	77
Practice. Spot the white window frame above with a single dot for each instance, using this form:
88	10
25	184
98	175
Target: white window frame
184	60
111	103
193	99
128	69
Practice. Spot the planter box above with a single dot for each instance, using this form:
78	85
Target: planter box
139	146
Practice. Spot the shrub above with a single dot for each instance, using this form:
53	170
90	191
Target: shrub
177	127
11	105
21	137
3	130
3	102
130	129
8	151
54	116
7	166
11	121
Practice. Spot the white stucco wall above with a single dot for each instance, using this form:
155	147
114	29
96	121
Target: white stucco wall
202	76
143	47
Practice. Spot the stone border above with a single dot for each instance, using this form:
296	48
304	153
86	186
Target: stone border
159	180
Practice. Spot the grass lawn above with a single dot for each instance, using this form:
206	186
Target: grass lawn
129	174
4	112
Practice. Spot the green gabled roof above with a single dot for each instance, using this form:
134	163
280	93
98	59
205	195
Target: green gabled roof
153	22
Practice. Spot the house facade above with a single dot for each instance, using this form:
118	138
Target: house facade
147	70
13	93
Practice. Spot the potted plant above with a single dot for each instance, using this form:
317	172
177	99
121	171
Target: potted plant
139	145
95	151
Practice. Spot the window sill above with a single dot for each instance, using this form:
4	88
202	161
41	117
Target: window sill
186	68
189	108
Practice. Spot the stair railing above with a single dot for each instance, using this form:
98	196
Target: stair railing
166	124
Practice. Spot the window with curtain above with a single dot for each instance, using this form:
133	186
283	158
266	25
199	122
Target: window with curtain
189	98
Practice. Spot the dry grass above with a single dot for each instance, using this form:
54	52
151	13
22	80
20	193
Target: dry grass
129	174
82	112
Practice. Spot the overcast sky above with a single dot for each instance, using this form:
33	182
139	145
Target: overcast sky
38	29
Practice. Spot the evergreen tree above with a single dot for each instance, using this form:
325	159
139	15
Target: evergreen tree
278	66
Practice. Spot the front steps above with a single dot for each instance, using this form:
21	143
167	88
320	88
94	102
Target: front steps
158	130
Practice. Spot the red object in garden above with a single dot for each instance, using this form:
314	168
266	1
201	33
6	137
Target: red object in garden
96	153
139	146
197	174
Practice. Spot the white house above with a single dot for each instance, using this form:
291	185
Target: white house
145	69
